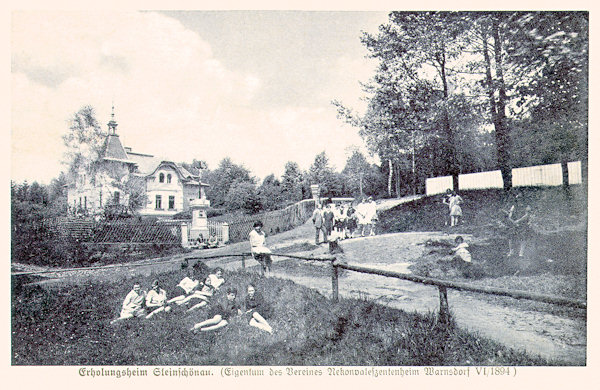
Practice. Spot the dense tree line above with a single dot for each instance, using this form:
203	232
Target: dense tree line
459	92
232	186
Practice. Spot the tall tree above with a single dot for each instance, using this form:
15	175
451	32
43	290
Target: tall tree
291	182
84	140
321	173
222	179
270	193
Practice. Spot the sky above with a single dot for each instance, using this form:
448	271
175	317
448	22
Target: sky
255	86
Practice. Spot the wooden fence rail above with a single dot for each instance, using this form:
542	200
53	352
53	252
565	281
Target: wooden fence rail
442	285
468	287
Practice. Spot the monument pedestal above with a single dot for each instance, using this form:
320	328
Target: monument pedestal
199	225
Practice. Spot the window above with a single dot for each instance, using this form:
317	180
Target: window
158	202
169	178
117	197
171	202
161	178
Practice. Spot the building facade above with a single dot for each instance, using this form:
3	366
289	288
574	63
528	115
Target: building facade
123	178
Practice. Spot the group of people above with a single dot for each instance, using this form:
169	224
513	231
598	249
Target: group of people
195	293
212	242
338	222
516	221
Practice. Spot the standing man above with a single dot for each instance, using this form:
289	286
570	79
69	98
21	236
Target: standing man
317	219
328	220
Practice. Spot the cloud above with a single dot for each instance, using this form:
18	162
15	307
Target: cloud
172	97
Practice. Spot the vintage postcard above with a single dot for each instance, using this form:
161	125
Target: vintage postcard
345	196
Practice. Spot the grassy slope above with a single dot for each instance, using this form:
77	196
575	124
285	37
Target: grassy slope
69	325
555	263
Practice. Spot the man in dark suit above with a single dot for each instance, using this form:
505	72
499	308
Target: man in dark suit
317	219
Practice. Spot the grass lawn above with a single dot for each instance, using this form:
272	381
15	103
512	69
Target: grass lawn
555	259
69	325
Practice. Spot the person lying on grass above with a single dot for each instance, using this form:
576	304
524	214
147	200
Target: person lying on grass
203	294
186	287
259	251
216	278
254	306
221	314
156	300
133	304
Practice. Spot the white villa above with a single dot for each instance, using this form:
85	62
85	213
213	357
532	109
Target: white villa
167	188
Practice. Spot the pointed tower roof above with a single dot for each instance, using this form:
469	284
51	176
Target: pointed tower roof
113	149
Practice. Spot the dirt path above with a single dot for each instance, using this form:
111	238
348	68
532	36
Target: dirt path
552	336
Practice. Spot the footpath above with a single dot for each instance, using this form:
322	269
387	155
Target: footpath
553	336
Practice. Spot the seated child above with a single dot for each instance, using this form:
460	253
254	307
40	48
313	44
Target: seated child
221	315
461	250
216	278
255	305
156	300
213	242
133	304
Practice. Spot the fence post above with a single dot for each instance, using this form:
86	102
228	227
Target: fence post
225	232
334	281
243	261
444	314
184	235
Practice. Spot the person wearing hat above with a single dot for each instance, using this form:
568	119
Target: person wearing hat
156	300
259	251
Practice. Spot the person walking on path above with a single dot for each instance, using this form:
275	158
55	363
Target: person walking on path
370	215
317	219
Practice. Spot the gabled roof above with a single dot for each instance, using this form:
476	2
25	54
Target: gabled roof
183	173
146	163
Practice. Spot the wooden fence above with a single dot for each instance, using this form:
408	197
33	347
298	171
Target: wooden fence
273	222
442	285
114	232
539	175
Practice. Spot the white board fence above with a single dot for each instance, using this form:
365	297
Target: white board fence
540	175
